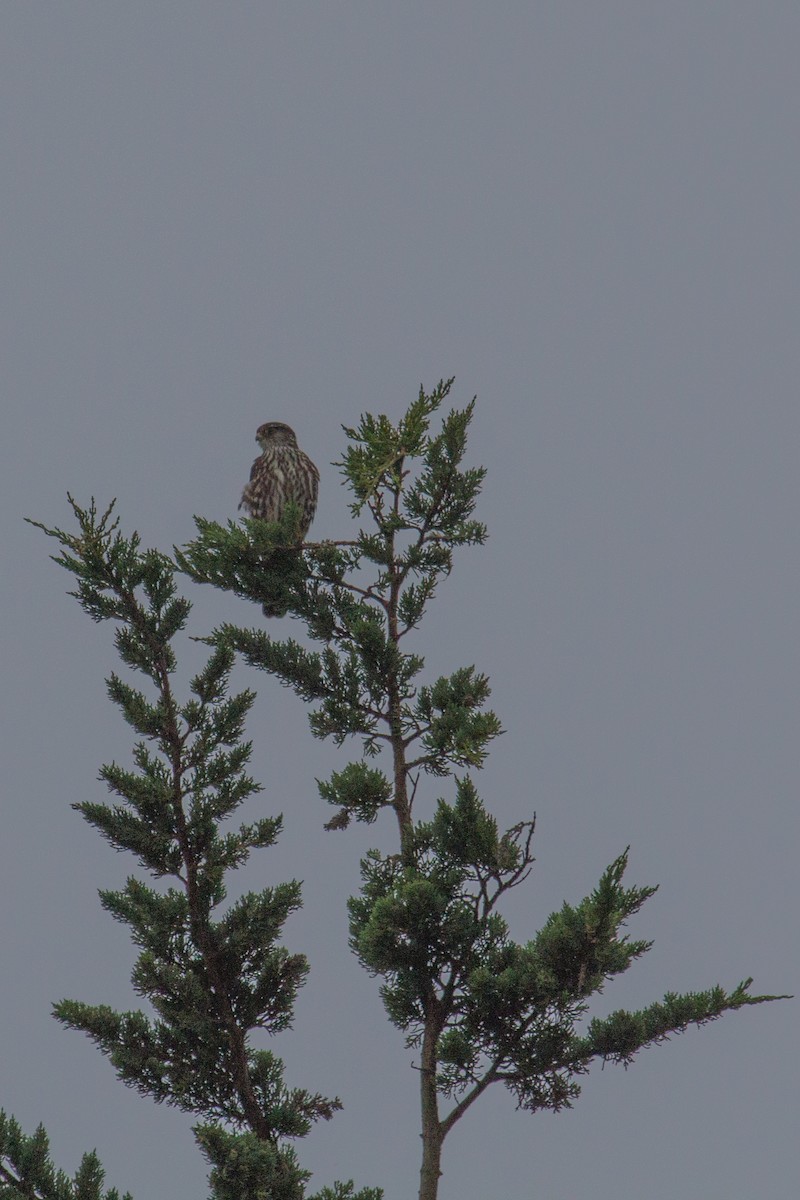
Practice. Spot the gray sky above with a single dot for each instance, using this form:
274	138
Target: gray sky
214	215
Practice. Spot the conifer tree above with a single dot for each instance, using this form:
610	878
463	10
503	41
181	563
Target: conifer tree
477	1008
211	973
27	1171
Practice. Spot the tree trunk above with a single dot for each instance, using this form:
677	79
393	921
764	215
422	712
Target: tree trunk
432	1135
430	1171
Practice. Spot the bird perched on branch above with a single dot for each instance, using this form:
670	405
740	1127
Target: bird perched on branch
281	475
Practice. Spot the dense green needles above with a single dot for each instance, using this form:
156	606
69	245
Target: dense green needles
476	1007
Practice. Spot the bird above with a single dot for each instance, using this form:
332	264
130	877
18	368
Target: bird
281	475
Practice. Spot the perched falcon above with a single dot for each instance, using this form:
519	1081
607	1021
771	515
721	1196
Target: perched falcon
282	474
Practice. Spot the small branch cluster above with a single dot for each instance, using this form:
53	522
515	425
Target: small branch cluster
27	1171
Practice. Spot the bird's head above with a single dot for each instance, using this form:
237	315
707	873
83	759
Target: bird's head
275	433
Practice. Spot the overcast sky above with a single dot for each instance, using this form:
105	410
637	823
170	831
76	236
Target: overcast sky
219	214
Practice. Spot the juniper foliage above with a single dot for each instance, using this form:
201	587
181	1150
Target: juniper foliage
212	973
476	1007
27	1171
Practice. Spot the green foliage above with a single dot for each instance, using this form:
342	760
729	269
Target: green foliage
27	1171
211	974
346	1191
238	553
480	1007
506	1012
455	731
247	1168
359	790
476	1006
362	683
618	1037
